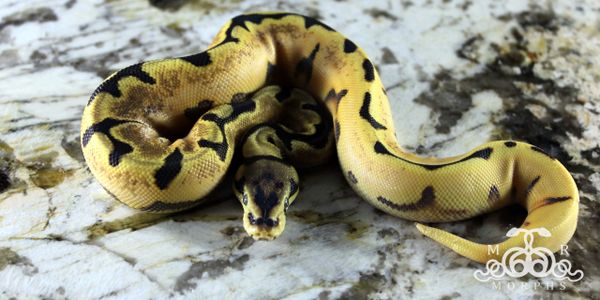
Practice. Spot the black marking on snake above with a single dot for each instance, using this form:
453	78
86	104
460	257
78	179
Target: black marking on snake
279	185
309	22
352	178
169	170
119	148
222	147
240	21
427	199
318	139
531	185
336	131
365	114
194	113
266	202
271	68
265	175
537	149
267	125
483	154
160	206
369	70
510	144
494	194
513	193
199	60
284	93
111	85
305	65
349	46
556	199
337	96
262	221
238	185
239	98
293	187
322	132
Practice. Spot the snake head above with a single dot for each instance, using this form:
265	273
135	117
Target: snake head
266	189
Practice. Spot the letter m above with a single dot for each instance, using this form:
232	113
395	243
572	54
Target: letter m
493	249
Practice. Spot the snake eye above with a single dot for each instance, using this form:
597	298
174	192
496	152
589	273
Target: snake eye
286	204
245	199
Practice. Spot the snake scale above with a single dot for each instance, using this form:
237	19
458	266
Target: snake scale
160	135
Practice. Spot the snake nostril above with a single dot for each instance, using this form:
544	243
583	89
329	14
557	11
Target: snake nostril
269	222
260	221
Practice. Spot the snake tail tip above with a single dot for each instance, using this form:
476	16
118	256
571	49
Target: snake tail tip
424	229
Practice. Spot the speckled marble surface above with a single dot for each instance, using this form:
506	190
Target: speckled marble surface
458	73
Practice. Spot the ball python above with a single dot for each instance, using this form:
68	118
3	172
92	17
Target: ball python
160	135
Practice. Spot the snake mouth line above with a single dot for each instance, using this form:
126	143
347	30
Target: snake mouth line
264	233
263	237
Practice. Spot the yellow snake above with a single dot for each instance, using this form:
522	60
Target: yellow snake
160	135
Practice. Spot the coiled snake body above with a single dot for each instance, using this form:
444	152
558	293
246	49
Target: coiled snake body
160	135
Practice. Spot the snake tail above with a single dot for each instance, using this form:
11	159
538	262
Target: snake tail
556	215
